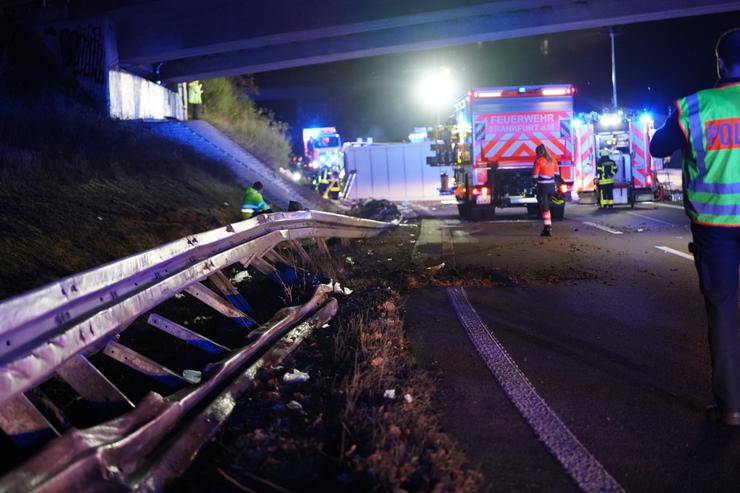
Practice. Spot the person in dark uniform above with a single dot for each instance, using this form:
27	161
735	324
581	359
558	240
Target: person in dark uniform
606	169
705	126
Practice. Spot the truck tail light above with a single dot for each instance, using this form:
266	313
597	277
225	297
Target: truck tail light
649	179
479	191
484	191
563	188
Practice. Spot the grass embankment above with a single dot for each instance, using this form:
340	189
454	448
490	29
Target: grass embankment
78	189
233	113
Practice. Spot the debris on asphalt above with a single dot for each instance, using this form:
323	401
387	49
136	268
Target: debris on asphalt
379	210
192	376
294	406
408	398
349	260
390	394
436	268
296	376
241	277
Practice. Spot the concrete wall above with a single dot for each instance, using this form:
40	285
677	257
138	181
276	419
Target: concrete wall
394	172
87	51
132	97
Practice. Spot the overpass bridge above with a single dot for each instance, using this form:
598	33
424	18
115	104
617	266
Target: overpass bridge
173	41
196	40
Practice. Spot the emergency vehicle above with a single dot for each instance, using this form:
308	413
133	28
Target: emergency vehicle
627	140
322	148
498	130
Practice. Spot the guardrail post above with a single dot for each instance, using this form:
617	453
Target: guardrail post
186	335
92	385
142	364
24	423
202	293
232	294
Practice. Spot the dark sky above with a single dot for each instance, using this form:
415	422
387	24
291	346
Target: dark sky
657	62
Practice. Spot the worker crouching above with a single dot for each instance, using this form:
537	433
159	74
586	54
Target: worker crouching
253	203
544	171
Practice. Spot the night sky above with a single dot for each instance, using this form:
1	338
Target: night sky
657	62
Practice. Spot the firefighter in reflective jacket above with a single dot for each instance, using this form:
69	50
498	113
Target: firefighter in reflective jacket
606	168
544	172
334	187
195	97
322	181
253	203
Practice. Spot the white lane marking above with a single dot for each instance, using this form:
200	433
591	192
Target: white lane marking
669	206
602	228
681	254
586	471
448	201
495	221
654	219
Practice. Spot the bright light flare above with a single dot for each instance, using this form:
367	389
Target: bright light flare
610	119
297	176
646	119
560	91
436	88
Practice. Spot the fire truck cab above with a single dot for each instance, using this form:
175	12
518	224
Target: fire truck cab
498	131
322	148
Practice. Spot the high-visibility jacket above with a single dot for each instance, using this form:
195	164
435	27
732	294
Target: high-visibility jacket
334	185
710	120
544	171
195	92
253	202
324	176
606	168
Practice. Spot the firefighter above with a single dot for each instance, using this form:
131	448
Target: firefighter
544	172
334	187
322	181
606	169
705	127
253	204
195	97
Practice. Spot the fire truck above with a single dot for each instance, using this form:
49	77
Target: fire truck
498	130
322	148
627	141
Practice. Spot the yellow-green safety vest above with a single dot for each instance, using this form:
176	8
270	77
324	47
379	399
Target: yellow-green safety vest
195	92
710	120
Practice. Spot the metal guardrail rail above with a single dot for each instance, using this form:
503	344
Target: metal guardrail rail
55	330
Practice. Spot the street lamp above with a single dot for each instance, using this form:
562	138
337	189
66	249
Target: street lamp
436	89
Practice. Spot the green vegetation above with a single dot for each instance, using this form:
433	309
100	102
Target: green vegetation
232	112
78	189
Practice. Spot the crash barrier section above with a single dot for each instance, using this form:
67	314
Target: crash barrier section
56	329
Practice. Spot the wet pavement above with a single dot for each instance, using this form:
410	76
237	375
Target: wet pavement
605	320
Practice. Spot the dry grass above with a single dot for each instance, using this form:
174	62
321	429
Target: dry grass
232	112
398	440
78	189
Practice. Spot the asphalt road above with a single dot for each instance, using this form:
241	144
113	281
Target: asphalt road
605	320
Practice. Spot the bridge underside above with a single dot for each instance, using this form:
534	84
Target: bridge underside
181	41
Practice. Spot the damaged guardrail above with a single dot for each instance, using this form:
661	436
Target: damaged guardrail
53	331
